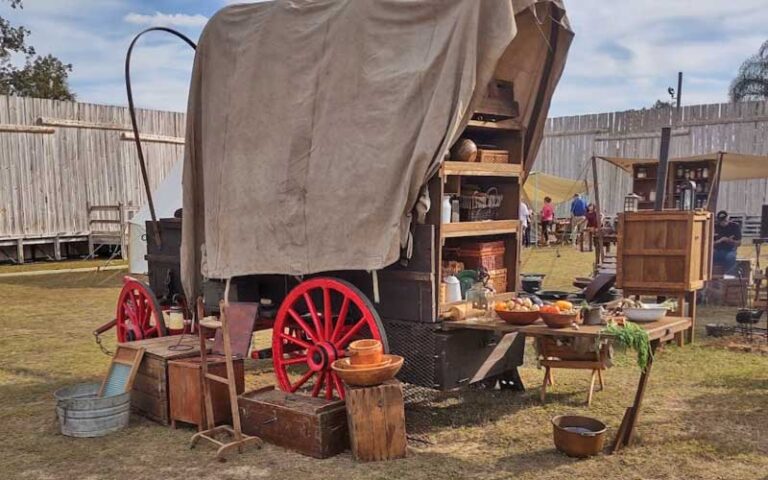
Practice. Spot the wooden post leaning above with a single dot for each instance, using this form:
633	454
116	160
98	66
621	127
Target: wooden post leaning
239	440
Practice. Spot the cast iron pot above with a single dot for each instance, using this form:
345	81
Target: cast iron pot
578	436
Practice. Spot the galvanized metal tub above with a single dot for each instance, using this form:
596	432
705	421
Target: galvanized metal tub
82	414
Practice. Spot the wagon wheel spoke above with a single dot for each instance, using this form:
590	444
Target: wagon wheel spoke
318	385
138	312
342	318
351	333
329	386
315	317
296	318
302	380
327	313
296	341
295	360
337	384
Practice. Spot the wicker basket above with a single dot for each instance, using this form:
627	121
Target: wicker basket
498	278
480	205
483	254
485	155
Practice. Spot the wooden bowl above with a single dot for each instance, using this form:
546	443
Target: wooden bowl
518	318
560	320
578	436
385	361
366	377
365	352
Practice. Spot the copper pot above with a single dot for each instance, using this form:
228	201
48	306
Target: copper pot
578	436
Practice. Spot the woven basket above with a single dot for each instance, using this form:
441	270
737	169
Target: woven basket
480	205
498	278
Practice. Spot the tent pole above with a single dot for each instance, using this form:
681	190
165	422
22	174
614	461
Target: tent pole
661	172
713	192
599	246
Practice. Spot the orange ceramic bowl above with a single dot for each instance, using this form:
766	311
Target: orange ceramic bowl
365	352
560	320
518	318
367	377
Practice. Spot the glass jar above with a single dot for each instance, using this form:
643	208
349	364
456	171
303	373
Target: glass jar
479	298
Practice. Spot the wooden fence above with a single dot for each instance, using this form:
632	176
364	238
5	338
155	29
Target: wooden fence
57	157
570	142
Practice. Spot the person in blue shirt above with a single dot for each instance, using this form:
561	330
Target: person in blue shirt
578	217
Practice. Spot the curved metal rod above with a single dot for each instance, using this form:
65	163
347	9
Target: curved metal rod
134	124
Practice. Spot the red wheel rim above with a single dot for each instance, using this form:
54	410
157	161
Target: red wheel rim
314	325
139	315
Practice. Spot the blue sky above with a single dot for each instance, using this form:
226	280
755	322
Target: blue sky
625	55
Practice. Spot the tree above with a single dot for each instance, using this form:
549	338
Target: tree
751	83
42	77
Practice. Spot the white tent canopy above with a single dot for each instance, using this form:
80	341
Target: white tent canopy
167	198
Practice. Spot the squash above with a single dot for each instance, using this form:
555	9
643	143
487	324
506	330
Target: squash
564	305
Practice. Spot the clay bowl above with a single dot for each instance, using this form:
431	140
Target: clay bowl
560	320
578	436
384	362
365	352
366	377
518	318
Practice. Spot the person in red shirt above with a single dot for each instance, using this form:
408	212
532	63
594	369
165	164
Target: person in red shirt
547	217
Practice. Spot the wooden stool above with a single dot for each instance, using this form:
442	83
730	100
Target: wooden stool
555	356
376	417
239	440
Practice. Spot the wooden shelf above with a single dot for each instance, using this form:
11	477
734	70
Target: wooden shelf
510	124
474	229
481	169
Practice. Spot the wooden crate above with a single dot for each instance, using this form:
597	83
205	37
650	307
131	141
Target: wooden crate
149	396
376	417
492	156
185	380
312	426
667	251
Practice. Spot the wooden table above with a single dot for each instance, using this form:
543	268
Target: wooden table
660	331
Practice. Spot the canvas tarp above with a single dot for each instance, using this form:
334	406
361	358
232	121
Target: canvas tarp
539	185
735	166
313	126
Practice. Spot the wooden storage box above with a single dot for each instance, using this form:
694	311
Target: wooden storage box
669	251
492	156
185	378
726	292
312	426
149	396
376	418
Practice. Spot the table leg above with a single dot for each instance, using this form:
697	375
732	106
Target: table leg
626	431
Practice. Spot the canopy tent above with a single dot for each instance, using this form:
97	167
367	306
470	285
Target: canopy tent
167	198
539	185
734	166
313	127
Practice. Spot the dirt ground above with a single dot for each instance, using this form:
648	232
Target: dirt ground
705	415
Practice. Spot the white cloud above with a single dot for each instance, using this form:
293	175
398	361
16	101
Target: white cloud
159	19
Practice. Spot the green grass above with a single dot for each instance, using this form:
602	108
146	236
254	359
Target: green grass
62	265
705	415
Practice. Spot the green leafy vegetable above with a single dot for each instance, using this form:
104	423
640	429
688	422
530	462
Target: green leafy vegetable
633	337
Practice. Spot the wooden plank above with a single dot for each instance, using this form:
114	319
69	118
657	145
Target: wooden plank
481	169
148	137
509	124
5	127
70	123
473	229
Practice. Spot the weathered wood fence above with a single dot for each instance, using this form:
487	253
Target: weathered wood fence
57	158
570	142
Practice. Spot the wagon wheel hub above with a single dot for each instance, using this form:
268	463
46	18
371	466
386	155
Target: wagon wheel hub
314	325
321	356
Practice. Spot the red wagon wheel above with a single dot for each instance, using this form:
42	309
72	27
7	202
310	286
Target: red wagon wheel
139	315
314	325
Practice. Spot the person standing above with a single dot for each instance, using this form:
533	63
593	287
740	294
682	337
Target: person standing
547	216
525	223
727	239
578	216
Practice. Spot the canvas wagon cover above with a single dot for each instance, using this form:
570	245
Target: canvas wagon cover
313	126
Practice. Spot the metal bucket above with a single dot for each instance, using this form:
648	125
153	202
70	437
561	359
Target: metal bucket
82	414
